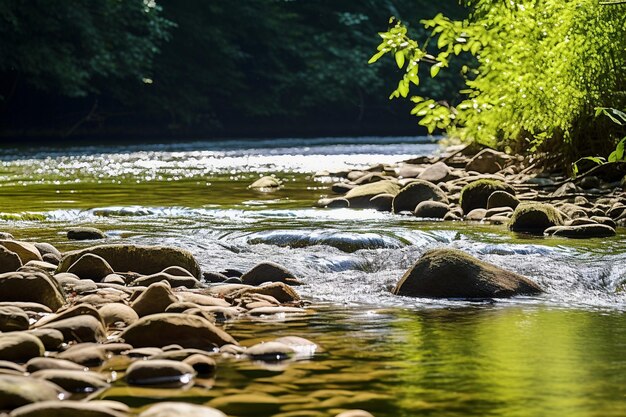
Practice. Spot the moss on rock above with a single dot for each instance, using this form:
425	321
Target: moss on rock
535	218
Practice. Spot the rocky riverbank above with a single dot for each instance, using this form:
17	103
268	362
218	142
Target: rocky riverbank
73	325
467	183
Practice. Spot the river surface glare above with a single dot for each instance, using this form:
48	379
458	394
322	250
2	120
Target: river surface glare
559	354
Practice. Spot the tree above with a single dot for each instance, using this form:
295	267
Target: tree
542	68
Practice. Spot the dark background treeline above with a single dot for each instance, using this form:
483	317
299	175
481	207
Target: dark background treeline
204	68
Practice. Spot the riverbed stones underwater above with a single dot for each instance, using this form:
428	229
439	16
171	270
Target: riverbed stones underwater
71	339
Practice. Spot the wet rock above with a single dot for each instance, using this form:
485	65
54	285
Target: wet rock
616	211
341	187
84	328
246	404
502	199
20	346
170	409
371	177
535	218
271	311
42	265
160	330
431	209
202	300
266	182
476	215
436	173
30	308
78	381
40	364
26	251
488	161
160	372
270	352
144	352
114	279
6	236
174	281
85	233
9	261
177	271
47	249
338	202
51	258
85	354
114	314
417	191
90	266
13	319
382	202
409	171
74	311
450	273
268	272
214	277
476	194
604	220
68	408
280	291
583	231
359	197
499	211
144	260
452	216
565	189
203	365
37	287
155	299
590	182
16	391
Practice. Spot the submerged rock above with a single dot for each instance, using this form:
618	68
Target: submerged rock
450	273
266	182
159	372
144	260
170	409
476	194
535	218
417	191
164	329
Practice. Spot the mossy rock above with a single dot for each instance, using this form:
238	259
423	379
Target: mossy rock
476	194
451	273
417	191
144	260
535	218
359	197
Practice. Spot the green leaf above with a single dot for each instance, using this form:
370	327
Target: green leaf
400	59
434	70
458	48
376	57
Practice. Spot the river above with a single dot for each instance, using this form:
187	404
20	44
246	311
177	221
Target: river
561	353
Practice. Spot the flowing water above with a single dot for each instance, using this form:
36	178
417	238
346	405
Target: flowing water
561	353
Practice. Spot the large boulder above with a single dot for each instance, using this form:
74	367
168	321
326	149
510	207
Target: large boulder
144	260
9	260
476	194
417	191
188	331
360	196
535	218
36	287
450	273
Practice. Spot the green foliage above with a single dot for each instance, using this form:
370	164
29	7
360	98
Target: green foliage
542	67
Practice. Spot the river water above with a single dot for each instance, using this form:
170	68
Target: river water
561	353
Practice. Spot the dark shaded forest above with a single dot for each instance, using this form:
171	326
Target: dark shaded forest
201	69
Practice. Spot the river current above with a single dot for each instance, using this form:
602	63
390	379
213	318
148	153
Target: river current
561	353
